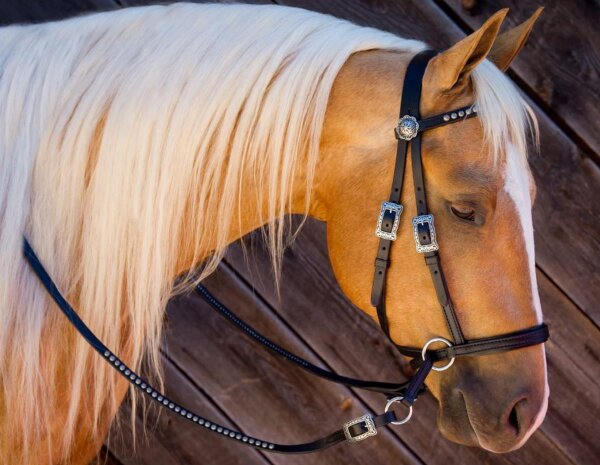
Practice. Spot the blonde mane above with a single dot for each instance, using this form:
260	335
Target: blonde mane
116	126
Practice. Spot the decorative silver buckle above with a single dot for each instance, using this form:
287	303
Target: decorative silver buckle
421	221
407	128
369	424
394	208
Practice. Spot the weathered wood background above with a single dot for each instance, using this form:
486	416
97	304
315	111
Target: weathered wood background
223	375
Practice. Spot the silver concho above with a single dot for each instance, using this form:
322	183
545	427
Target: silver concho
407	128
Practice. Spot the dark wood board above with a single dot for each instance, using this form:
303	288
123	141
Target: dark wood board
105	457
308	283
560	65
267	397
34	11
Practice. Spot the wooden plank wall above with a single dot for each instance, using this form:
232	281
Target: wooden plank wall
217	372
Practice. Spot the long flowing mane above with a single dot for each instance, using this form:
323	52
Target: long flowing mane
116	126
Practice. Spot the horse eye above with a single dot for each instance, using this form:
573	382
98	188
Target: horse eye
467	215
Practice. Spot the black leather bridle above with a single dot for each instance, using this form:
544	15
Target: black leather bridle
409	128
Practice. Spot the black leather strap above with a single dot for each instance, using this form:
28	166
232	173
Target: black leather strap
482	346
337	437
342	435
431	258
408	106
389	389
408	391
460	114
411	96
417	382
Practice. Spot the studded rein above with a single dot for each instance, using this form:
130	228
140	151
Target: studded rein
410	127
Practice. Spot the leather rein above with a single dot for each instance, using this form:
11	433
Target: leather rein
409	128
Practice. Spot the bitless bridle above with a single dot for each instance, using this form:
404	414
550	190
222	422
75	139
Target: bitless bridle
409	128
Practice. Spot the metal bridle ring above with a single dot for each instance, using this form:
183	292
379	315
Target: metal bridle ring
431	341
406	418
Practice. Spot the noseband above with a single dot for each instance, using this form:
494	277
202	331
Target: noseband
410	128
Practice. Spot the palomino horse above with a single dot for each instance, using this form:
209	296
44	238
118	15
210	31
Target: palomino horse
137	144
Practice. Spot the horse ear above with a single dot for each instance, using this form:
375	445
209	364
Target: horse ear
452	68
509	43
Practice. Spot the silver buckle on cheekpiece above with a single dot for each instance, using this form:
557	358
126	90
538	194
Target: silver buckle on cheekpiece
396	210
425	220
369	424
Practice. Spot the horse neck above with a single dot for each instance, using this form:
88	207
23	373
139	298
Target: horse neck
361	108
252	209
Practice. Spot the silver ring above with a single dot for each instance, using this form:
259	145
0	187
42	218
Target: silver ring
406	418
431	341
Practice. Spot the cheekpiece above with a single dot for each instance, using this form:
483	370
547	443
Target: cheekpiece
408	128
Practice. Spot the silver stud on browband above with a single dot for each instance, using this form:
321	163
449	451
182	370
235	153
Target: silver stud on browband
461	113
446	117
407	128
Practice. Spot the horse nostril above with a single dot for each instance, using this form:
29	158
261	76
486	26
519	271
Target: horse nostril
514	417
